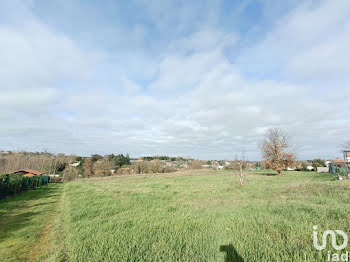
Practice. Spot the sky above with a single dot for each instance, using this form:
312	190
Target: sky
201	79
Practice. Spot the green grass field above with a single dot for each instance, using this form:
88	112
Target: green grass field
198	215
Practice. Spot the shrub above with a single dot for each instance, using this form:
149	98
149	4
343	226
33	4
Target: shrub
71	173
14	184
318	163
304	166
196	164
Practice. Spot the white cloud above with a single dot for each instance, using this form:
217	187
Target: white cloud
326	59
308	43
203	41
34	62
189	99
130	86
38	55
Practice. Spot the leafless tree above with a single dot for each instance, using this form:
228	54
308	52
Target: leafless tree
70	173
102	167
347	145
44	162
196	164
274	149
239	166
88	169
139	167
155	166
242	163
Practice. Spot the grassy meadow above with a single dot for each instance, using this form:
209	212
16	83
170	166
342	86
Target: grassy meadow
26	224
199	215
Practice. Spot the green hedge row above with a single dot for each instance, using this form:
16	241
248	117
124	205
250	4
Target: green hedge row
337	170
14	184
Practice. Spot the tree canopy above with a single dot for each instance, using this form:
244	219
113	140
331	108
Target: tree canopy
274	149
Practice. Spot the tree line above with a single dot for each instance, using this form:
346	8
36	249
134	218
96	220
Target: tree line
275	149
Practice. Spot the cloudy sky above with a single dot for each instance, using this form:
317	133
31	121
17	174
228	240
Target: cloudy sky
195	78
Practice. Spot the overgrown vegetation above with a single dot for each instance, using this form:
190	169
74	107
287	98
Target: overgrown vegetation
170	158
45	162
318	163
14	184
199	215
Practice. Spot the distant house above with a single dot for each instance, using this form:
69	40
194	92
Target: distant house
76	164
219	167
28	172
323	169
347	157
339	162
310	168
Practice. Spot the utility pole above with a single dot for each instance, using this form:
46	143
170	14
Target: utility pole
346	163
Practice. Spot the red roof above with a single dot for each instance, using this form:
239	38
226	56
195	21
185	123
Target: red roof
26	171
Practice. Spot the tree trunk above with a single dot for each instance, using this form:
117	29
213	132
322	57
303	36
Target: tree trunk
241	178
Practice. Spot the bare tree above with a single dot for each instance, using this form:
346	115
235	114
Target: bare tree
274	150
88	167
70	173
347	145
139	167
103	167
196	164
239	165
156	166
242	163
45	162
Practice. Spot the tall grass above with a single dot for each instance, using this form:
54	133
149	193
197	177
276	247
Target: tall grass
200	216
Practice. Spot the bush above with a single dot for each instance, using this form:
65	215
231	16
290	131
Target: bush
71	173
318	163
342	171
96	157
195	164
14	184
304	166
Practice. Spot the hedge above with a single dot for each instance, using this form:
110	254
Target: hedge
335	170
14	184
